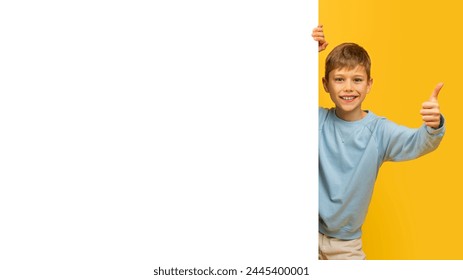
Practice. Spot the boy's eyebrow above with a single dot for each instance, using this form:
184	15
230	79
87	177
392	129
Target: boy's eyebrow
354	75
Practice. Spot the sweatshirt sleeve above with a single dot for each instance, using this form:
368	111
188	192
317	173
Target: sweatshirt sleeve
400	143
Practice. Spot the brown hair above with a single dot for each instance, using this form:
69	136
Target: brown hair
347	55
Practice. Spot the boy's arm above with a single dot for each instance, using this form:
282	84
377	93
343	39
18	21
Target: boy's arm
319	36
401	143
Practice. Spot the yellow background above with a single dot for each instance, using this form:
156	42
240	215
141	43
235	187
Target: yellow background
417	205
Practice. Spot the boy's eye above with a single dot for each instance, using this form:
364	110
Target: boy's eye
338	79
358	80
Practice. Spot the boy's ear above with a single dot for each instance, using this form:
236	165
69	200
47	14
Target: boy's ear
370	84
325	84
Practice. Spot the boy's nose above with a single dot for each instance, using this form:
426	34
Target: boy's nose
348	86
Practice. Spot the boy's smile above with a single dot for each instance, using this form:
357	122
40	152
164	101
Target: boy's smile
348	88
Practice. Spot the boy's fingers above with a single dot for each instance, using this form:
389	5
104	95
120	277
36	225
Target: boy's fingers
429	105
434	125
318	29
436	91
430	111
431	118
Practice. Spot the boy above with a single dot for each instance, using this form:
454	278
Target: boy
353	143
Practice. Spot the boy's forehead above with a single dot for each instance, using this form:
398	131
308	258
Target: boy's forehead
357	70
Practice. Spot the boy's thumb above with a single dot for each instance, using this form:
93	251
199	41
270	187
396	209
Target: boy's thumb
436	91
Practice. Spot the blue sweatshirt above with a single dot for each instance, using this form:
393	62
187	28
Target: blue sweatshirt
350	154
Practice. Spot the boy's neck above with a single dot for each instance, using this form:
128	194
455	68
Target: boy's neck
350	116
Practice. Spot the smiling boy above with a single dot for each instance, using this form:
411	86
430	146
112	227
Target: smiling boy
353	144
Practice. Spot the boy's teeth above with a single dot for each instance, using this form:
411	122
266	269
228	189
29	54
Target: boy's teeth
348	97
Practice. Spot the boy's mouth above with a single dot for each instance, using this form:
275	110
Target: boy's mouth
348	98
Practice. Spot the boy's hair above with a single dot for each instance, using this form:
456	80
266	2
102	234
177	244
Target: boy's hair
347	55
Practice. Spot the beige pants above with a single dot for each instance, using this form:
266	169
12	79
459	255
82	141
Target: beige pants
330	248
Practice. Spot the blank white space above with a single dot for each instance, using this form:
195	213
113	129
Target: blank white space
144	134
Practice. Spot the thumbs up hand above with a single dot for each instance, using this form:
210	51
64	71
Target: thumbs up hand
430	111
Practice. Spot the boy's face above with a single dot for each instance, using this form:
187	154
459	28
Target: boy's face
348	88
